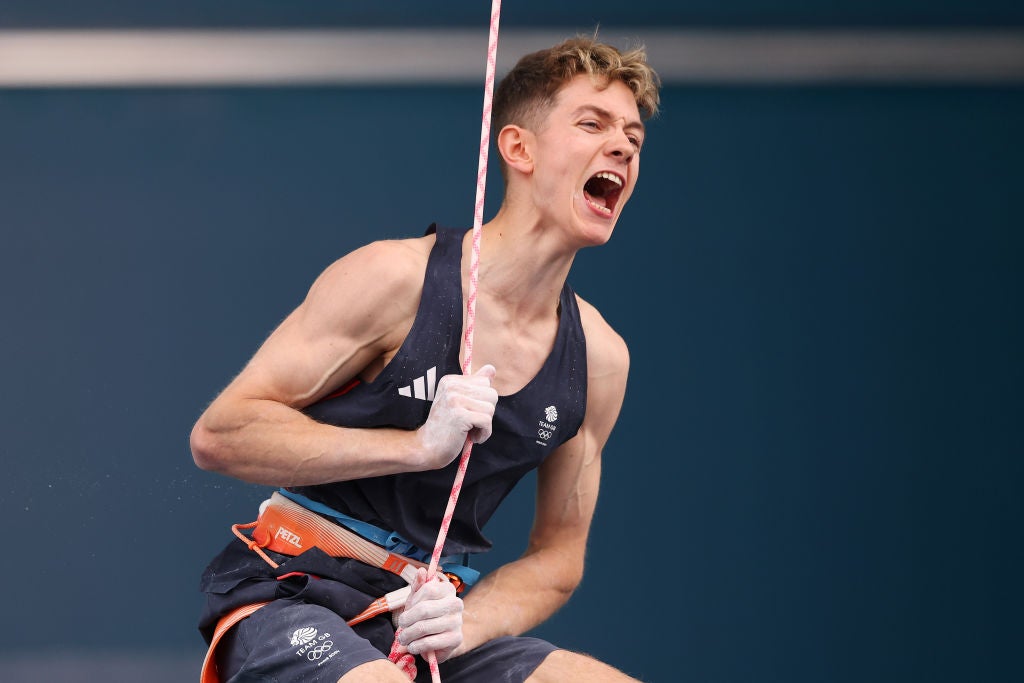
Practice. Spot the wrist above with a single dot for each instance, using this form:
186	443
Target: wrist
379	452
474	634
415	451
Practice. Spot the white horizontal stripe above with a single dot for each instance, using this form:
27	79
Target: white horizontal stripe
457	56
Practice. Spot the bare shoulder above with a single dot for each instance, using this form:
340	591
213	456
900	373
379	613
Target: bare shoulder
376	284
386	264
607	353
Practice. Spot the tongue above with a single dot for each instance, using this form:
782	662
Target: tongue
600	201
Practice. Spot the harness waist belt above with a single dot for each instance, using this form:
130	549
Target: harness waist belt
288	528
389	540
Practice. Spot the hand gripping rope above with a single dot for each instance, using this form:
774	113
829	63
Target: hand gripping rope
398	654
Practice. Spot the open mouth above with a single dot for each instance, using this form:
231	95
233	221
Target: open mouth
602	192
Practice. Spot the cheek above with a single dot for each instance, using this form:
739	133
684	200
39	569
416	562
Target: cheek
635	174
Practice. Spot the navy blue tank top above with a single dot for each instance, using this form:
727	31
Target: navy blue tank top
527	425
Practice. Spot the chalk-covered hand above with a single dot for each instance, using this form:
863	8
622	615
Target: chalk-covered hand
432	617
463	406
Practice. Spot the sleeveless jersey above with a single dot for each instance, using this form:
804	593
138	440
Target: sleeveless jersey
527	425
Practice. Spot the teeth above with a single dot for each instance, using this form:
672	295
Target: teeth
602	209
610	176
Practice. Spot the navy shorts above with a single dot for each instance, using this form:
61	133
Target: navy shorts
289	641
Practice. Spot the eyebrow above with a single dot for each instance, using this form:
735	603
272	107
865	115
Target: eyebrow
608	116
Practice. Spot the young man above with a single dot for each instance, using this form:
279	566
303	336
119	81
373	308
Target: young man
356	403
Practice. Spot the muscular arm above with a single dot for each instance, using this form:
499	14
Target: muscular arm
524	593
352	321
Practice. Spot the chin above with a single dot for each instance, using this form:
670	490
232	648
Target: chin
595	236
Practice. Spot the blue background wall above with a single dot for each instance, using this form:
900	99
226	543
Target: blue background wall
816	472
581	15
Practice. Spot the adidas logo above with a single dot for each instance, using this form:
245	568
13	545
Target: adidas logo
421	387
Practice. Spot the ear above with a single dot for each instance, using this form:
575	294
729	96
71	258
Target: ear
515	144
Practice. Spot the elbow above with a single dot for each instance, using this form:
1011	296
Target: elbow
207	449
566	578
564	586
571	581
561	567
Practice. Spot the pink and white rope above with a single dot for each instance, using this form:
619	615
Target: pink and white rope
398	654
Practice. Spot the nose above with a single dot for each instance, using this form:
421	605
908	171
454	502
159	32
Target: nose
621	147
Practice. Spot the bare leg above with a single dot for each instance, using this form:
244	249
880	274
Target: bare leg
378	671
562	666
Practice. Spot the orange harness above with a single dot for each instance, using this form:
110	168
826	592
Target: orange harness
287	528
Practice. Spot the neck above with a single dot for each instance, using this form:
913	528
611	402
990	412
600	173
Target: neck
522	263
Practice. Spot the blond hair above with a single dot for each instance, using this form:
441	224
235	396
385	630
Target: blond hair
527	92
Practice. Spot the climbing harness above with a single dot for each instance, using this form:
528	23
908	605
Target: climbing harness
288	528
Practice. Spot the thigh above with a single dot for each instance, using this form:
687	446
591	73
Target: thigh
292	641
569	667
503	660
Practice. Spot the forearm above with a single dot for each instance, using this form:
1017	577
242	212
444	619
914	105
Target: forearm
266	442
519	596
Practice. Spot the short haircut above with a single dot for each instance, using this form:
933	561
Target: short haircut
527	93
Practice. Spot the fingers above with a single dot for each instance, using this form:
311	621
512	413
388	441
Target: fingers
486	398
437	635
417	583
481	431
463	407
466	404
486	371
432	619
442	644
430	598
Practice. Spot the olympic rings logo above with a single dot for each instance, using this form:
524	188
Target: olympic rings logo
318	651
544	434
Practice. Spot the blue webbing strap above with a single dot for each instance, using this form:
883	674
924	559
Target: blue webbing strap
390	541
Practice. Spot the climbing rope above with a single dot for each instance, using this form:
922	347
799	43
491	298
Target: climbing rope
398	654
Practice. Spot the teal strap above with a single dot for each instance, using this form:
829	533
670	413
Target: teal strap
391	541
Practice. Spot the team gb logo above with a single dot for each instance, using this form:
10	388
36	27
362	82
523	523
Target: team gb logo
303	635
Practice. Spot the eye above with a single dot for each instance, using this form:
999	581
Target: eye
592	125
